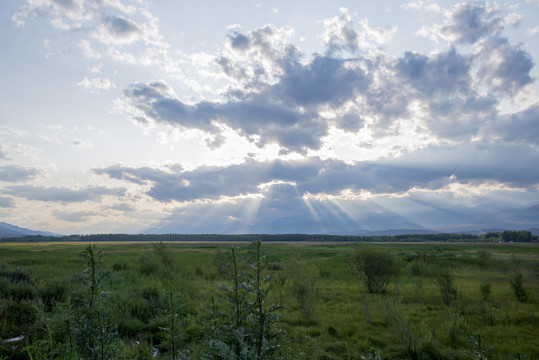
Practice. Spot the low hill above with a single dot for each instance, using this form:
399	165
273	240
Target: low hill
8	230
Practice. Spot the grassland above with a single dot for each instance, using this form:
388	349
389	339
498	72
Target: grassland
41	286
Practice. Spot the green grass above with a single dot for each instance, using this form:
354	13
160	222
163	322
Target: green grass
407	318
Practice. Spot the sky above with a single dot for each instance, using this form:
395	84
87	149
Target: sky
127	116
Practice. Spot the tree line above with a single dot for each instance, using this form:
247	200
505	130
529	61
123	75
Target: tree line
503	236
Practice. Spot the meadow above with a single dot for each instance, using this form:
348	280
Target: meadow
290	301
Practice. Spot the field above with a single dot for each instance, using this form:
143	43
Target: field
170	300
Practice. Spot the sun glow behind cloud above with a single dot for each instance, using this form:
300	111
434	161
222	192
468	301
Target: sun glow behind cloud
251	132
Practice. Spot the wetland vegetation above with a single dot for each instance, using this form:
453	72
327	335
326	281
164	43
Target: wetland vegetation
263	301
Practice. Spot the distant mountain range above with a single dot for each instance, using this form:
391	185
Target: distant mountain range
7	230
459	219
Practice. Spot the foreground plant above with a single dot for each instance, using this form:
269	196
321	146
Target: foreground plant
93	324
243	325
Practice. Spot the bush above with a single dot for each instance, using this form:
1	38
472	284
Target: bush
445	279
53	291
164	254
120	266
518	288
373	268
14	275
485	289
149	264
220	261
303	287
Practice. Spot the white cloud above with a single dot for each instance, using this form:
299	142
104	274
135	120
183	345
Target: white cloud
423	5
533	31
78	143
341	34
87	50
95	85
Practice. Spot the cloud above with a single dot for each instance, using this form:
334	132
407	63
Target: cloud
324	81
470	22
6	202
61	194
533	31
118	30
429	168
96	84
102	27
82	143
504	67
521	127
441	74
87	50
341	34
270	121
73	216
278	98
3	153
420	4
17	173
64	13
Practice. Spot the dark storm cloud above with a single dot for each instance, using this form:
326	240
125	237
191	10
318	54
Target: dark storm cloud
17	173
472	21
432	168
58	194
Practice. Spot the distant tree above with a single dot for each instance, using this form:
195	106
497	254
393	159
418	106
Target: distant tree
524	236
516	236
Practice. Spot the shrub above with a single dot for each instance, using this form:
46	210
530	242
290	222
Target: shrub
445	280
220	261
151	292
149	264
53	291
518	288
373	268
483	257
164	254
303	287
455	326
485	287
23	291
14	275
120	266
